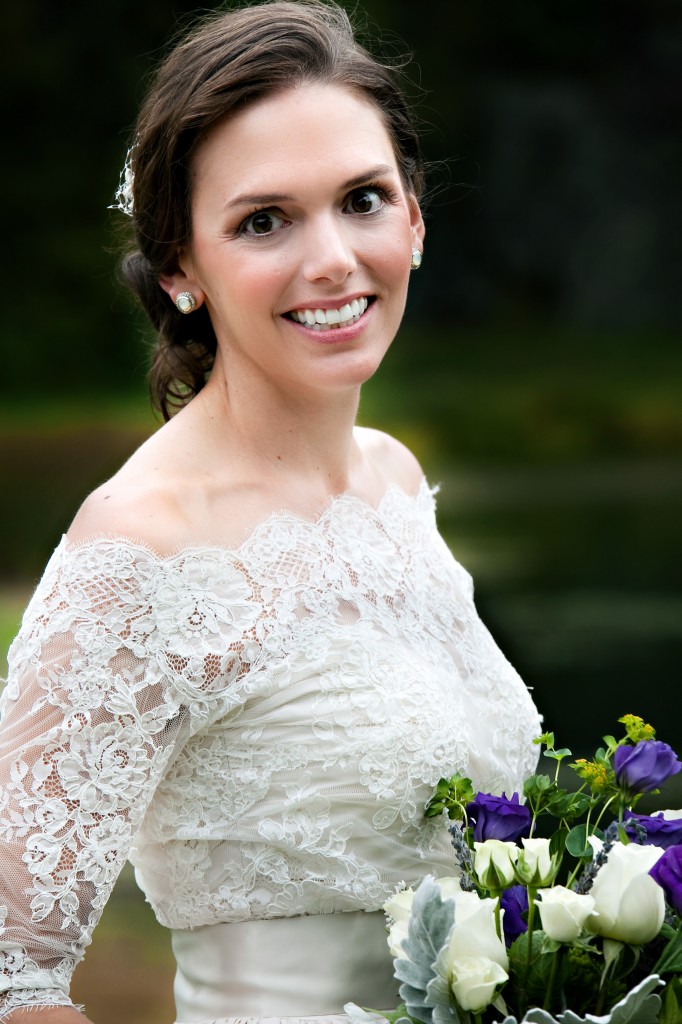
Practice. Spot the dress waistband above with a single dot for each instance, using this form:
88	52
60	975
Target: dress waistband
283	967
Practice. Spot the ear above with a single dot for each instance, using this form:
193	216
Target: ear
182	280
416	222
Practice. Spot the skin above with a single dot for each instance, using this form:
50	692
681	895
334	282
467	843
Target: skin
275	425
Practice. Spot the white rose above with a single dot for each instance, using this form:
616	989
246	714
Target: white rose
399	905
494	863
474	981
564	912
474	933
629	905
449	887
535	866
398	909
397	934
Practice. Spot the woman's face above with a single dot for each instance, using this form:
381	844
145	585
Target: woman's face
302	233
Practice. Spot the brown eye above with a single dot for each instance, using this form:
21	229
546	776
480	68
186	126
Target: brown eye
263	222
365	200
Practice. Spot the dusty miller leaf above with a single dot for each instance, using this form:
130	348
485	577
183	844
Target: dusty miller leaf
431	919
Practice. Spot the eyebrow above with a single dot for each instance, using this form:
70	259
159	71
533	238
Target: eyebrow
268	198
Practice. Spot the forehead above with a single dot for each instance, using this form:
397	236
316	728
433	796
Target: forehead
308	133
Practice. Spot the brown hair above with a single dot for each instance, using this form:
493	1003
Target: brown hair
229	61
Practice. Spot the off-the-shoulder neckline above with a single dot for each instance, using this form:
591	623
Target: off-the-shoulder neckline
394	493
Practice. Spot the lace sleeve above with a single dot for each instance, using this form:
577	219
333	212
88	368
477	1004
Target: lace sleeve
89	724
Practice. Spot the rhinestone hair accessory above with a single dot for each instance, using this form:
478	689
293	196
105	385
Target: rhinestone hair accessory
123	197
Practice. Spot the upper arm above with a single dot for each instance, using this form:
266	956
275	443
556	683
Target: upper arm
89	722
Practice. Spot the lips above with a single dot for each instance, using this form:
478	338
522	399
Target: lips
327	319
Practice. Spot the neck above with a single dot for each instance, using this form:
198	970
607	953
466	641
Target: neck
303	440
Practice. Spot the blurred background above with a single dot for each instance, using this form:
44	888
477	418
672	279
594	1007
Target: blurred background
538	374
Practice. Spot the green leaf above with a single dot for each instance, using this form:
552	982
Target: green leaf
670	960
558	842
576	842
672	1003
558	755
640	1006
536	785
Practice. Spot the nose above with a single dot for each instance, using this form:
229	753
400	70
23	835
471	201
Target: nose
328	251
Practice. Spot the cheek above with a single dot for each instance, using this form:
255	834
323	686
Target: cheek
389	256
251	278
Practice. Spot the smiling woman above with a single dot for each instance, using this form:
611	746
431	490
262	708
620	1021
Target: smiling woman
284	245
252	657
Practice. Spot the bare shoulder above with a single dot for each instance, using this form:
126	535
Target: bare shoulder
391	459
144	501
123	507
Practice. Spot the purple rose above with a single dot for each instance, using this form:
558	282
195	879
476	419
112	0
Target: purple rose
514	902
498	817
646	766
660	831
667	871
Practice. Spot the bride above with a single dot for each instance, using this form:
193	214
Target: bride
252	657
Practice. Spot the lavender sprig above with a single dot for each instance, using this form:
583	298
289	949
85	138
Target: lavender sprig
463	856
586	880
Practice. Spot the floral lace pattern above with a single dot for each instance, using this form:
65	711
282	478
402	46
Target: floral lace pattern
258	729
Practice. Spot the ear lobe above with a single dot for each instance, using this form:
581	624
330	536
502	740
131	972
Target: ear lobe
179	281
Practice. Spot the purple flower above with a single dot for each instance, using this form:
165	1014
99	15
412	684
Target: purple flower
514	902
660	831
667	871
644	767
498	817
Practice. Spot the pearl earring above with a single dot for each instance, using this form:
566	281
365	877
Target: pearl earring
185	302
416	261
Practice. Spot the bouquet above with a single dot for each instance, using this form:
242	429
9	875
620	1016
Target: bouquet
567	905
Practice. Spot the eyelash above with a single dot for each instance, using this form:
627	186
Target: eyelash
385	193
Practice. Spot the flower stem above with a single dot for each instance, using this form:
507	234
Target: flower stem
529	944
547	1005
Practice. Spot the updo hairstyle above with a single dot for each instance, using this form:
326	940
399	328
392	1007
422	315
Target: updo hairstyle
228	62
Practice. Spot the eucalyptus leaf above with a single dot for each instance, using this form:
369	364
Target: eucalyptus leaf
576	842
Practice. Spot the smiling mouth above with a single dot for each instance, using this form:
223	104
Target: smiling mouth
330	319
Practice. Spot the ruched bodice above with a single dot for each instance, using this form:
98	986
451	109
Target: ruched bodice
258	730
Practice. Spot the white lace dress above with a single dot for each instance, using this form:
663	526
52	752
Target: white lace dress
258	730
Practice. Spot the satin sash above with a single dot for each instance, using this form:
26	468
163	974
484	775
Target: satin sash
283	967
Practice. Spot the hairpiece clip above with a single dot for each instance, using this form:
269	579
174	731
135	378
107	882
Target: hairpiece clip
124	193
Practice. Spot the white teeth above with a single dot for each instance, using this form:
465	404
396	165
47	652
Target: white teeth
322	319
